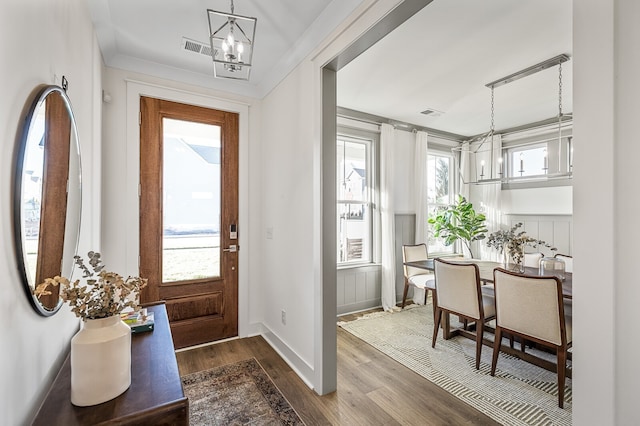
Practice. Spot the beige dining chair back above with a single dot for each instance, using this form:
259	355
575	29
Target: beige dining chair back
458	292
532	259
531	307
416	277
568	261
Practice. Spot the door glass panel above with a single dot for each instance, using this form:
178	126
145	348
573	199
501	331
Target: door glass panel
191	200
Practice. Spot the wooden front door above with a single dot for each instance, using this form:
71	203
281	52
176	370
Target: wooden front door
189	217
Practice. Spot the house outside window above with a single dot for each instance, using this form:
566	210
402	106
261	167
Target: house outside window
355	180
440	194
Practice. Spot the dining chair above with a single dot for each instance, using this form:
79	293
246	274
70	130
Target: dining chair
532	308
568	267
458	292
532	259
568	261
416	277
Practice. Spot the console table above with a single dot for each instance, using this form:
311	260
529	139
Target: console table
154	397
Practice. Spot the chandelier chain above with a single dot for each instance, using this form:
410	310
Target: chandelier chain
559	103
492	112
560	89
232	9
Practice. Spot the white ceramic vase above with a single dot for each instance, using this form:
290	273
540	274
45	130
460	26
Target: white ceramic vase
100	361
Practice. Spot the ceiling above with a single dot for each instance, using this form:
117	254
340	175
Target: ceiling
146	36
439	59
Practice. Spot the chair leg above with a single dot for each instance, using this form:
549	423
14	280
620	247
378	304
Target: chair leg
404	294
436	325
479	336
434	303
562	369
496	350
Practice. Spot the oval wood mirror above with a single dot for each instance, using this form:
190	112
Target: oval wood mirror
47	194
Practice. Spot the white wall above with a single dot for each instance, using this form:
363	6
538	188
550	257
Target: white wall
552	200
287	209
40	41
605	200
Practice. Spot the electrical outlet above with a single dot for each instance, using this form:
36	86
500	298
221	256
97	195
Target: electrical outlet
284	317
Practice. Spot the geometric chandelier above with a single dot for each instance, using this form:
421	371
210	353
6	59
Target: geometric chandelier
232	40
496	173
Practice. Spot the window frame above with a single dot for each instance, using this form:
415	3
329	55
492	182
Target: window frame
453	164
371	141
561	156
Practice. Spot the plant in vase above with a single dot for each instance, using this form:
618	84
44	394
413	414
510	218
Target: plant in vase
512	242
101	350
459	222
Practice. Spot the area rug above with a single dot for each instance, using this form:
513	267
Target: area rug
520	393
236	394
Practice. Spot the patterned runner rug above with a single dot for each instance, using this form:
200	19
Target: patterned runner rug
236	394
519	394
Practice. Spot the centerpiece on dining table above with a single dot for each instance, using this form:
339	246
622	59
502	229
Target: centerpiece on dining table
101	350
511	244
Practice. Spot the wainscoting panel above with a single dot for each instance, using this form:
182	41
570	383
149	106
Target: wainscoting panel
556	230
360	287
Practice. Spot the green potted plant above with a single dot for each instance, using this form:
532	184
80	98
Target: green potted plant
459	222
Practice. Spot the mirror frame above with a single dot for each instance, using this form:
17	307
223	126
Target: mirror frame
71	233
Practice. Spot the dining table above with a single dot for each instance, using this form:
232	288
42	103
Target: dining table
485	269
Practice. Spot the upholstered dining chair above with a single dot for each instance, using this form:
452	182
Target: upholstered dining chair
532	259
568	261
568	267
532	307
416	277
458	292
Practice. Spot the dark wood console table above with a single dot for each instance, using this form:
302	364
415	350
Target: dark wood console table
154	397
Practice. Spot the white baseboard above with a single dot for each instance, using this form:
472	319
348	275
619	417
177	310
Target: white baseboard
297	364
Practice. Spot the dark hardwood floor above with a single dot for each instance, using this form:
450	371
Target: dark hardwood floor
373	389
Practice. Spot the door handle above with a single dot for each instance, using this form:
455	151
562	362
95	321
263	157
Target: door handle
232	248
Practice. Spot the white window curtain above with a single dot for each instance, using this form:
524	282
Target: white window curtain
464	171
420	196
491	200
420	187
387	215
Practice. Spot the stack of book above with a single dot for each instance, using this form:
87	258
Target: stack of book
138	321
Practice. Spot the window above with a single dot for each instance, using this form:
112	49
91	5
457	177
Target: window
550	158
528	161
354	198
439	195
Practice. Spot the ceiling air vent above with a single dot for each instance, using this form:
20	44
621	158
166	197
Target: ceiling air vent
430	112
196	47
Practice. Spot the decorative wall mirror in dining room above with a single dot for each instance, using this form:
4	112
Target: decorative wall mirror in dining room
46	193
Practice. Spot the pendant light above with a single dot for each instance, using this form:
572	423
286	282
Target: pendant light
232	39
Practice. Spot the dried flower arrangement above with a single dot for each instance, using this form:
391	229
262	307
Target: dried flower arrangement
513	242
108	294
